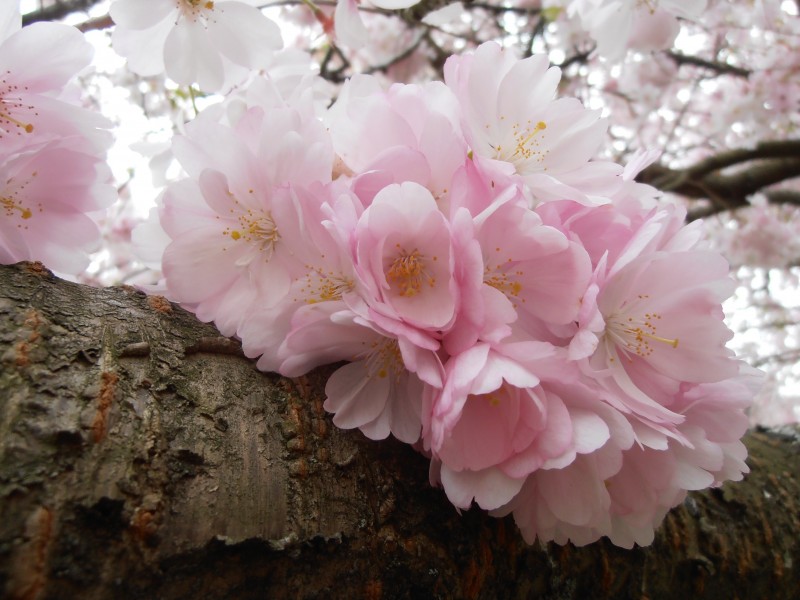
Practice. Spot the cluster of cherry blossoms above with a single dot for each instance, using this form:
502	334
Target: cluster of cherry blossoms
52	151
544	328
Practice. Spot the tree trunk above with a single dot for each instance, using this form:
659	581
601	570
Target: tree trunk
143	456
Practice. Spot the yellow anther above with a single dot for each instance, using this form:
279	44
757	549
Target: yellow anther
409	274
635	335
28	127
324	287
384	359
11	205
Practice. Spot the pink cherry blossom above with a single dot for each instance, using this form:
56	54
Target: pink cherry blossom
237	226
380	390
284	335
617	24
764	236
405	133
52	151
44	198
479	370
623	491
533	265
510	435
405	260
547	142
194	41
36	65
375	392
657	319
544	328
348	27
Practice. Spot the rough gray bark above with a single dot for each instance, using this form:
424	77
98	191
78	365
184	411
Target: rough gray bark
142	456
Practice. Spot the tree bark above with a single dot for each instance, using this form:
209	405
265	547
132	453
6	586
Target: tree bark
143	456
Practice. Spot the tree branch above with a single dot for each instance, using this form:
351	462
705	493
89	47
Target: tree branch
57	11
771	162
762	150
717	67
141	458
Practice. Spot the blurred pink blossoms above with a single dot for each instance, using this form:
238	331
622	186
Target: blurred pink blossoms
542	327
52	151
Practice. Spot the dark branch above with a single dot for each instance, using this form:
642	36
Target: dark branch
718	67
783	197
578	58
57	11
382	68
103	22
768	149
773	197
759	168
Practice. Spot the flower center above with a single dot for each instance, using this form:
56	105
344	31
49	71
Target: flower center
10	102
11	203
525	150
321	286
492	398
636	335
193	9
384	359
256	228
503	279
408	273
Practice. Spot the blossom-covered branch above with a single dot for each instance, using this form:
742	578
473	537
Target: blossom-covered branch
545	328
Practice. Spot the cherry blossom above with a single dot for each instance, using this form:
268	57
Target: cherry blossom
33	90
234	224
623	491
405	133
546	141
52	151
534	320
406	260
619	24
544	328
45	196
375	392
193	41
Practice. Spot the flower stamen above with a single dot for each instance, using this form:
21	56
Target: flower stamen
325	287
408	272
255	227
384	359
634	335
10	102
11	198
9	205
526	147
